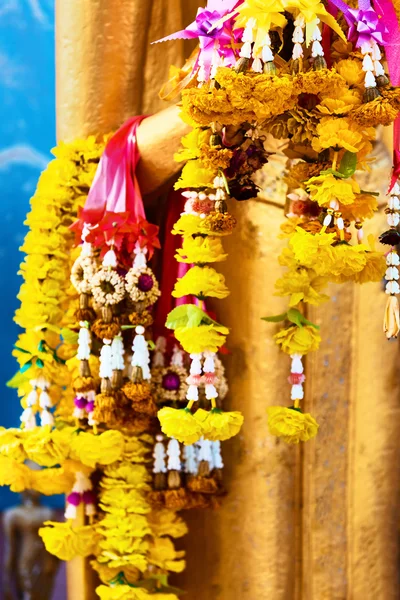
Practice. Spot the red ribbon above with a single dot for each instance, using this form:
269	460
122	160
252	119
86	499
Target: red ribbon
114	207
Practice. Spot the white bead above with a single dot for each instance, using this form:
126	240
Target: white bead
360	235
393	259
376	51
211	392
395	190
394	202
297	51
46	418
174	453
369	80
393	219
257	65
327	220
192	393
367	64
118	351
298	35
159	457
216	454
79	413
32	398
70	512
105	370
195	366
90	510
267	55
245	51
317	50
110	259
316	36
82	483
190	455
379	70
297	392
297	364
392	273
300	21
392	287
367	47
205	451
45	400
340	223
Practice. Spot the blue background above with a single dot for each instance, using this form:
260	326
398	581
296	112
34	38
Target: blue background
27	133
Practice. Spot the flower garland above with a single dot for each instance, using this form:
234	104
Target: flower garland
45	295
326	118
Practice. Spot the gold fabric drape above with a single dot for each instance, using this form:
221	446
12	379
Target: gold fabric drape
317	522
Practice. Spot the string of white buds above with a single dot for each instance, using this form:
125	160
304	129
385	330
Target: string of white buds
216	455
392	274
106	370
117	354
174	454
194	378
86	248
140	260
159	352
81	486
297	378
140	352
209	376
28	418
84	341
110	259
248	39
205	452
46	418
159	455
191	464
316	38
298	38
371	65
177	357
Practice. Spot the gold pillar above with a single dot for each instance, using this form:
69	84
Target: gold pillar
318	522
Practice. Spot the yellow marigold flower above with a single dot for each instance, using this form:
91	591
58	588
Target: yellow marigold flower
337	133
351	71
166	522
298	340
66	542
325	188
14	475
46	447
11	444
363	207
374	113
287	259
53	481
201	282
374	269
126	592
291	425
201	250
348	260
187	225
102	449
191	144
199	339
117	501
313	251
302	285
339	106
288	227
194	174
180	424
163	555
219	425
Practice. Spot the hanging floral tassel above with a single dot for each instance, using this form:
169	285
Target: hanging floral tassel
82	492
391	237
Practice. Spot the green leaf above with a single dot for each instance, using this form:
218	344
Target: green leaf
151	344
39	363
69	336
295	317
187	315
18	380
26	366
275	318
332	172
126	327
348	164
21	349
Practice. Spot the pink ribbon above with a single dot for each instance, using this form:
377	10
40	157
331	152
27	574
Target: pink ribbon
115	188
213	40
